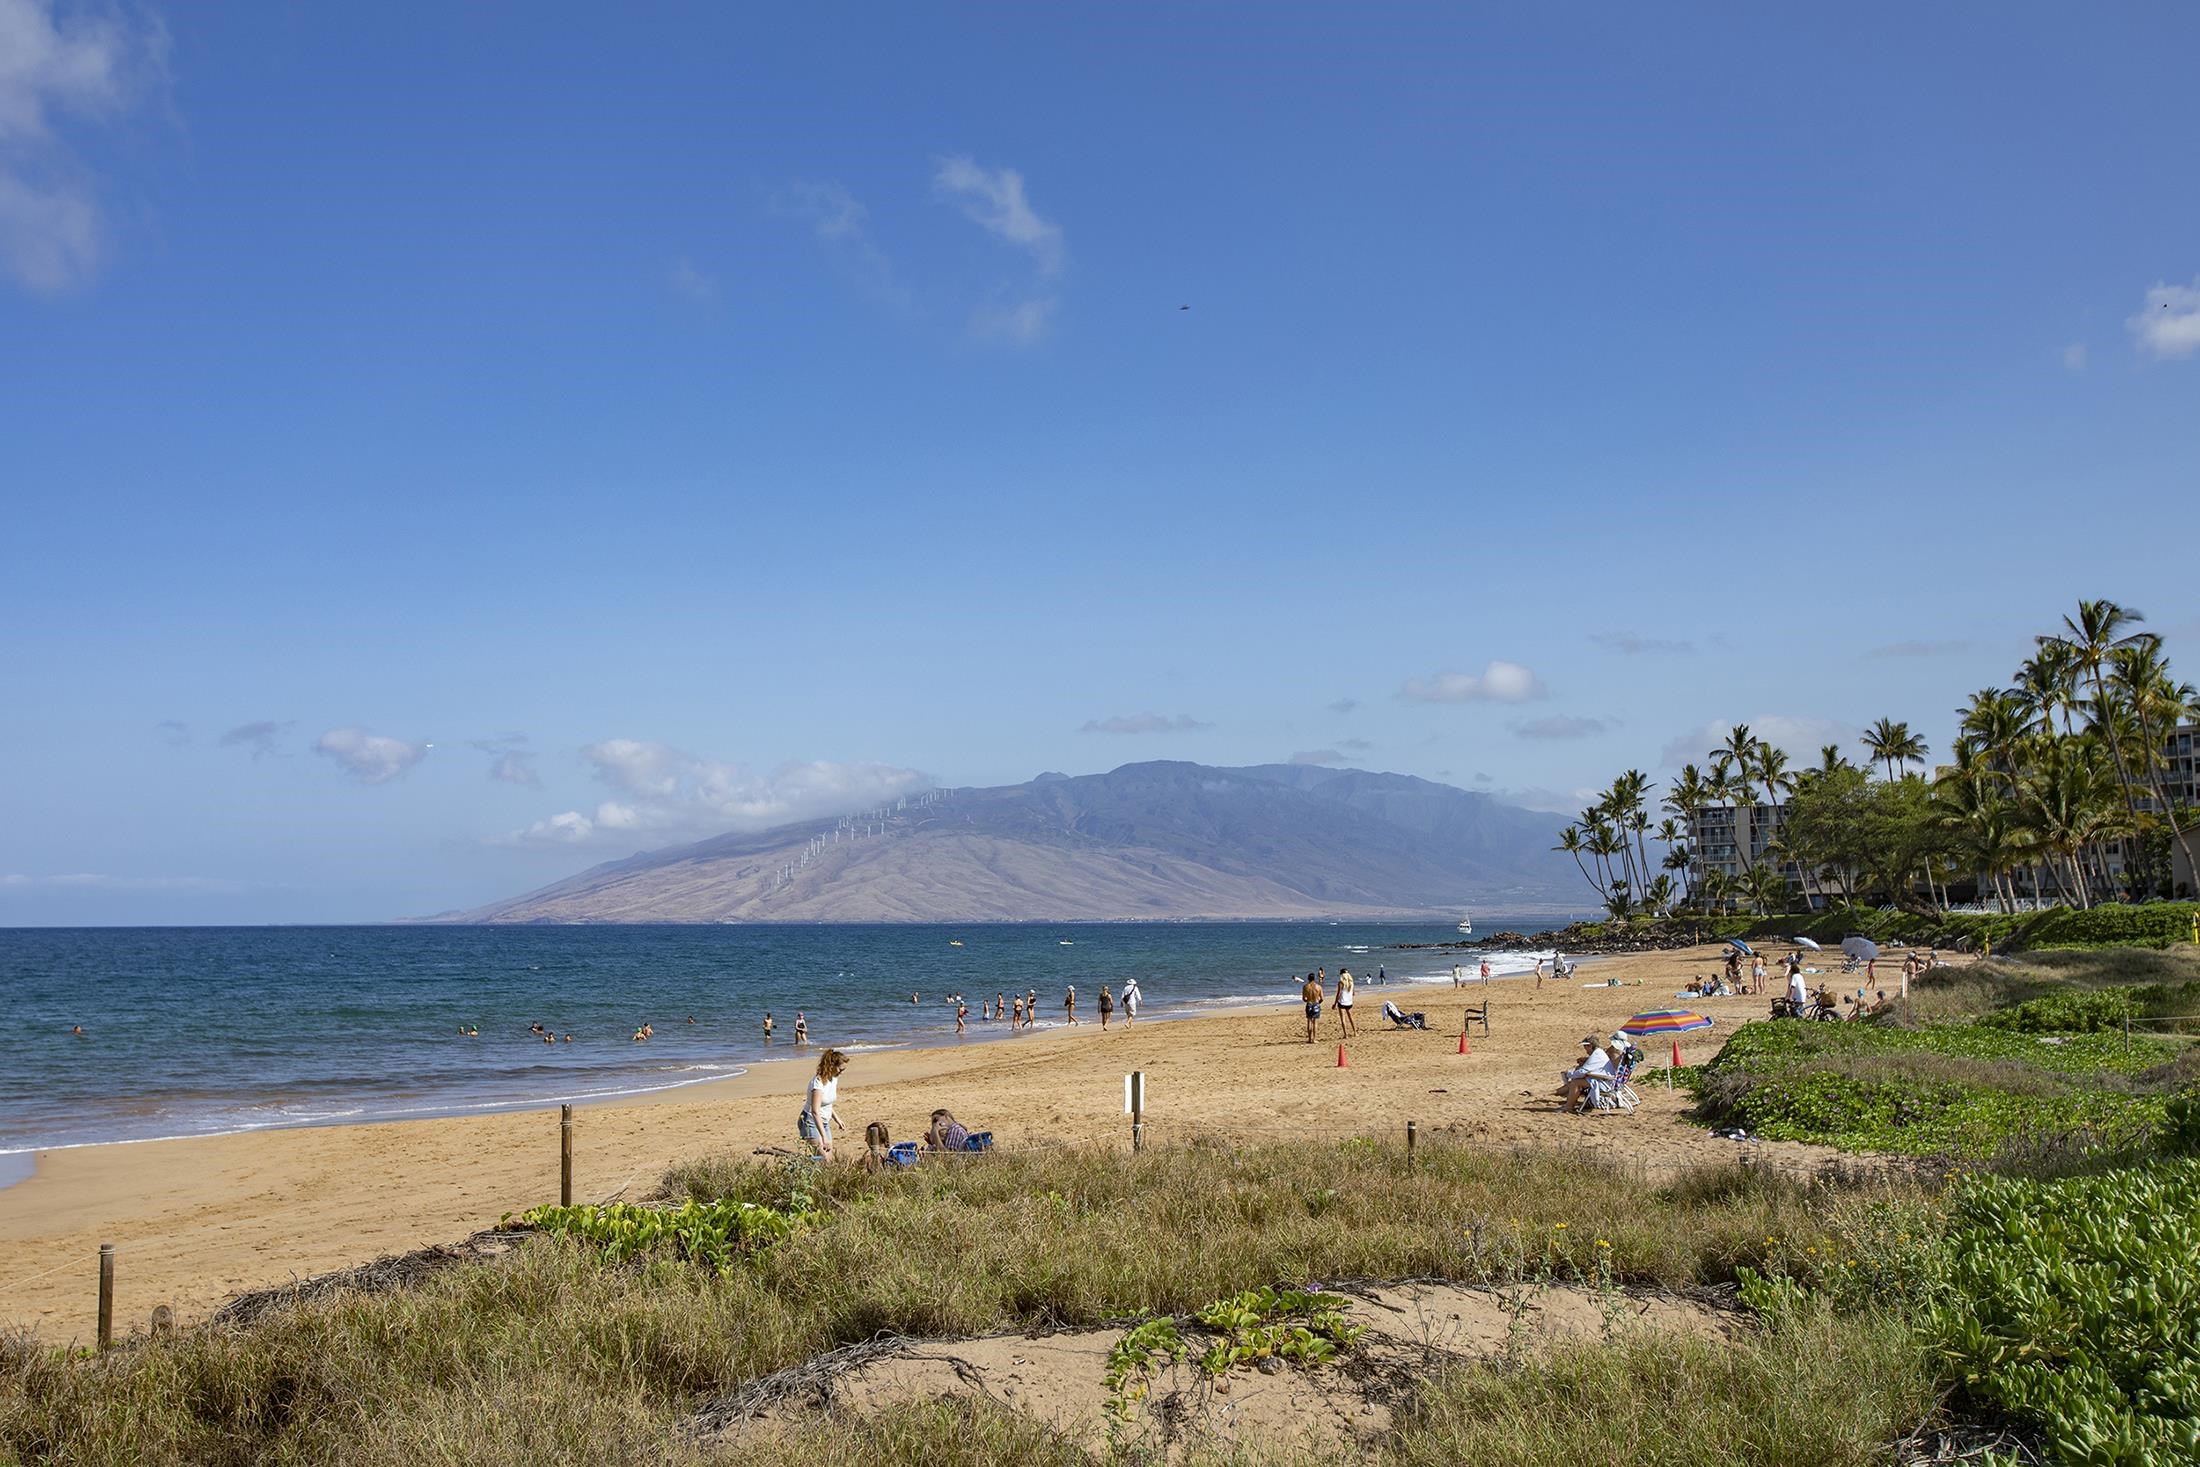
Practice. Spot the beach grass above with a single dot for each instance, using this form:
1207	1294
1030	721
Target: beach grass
549	1354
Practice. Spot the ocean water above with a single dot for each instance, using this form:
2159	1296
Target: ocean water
194	1031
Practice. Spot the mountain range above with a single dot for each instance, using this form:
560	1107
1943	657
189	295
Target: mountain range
1160	840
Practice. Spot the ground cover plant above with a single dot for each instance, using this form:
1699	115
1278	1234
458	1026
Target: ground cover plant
1957	1090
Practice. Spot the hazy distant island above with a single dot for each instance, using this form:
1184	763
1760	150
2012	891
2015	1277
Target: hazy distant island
1161	840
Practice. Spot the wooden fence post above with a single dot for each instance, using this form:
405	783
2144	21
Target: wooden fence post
1413	1135
106	1296
565	1156
1134	1101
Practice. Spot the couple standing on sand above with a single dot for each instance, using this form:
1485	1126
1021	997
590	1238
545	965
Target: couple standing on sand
1311	995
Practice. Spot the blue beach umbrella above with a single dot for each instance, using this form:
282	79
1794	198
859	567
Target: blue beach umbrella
1744	948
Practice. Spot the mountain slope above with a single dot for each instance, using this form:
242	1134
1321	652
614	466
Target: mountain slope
1156	840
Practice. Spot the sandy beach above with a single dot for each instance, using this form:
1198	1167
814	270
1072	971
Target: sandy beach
197	1220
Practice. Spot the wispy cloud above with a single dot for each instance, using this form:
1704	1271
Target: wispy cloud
1344	705
1631	645
100	881
1318	756
259	737
697	286
1920	649
367	757
838	220
1355	746
2168	326
663	793
510	760
1560	726
1143	723
173	732
2074	357
1021	323
1500	682
94	65
993	199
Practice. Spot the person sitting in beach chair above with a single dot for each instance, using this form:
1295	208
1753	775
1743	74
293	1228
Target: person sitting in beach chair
1574	1084
946	1133
1400	1019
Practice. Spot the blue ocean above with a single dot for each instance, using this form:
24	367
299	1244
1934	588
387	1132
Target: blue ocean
191	1031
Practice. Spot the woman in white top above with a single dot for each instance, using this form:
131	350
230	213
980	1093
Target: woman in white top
1345	1026
815	1124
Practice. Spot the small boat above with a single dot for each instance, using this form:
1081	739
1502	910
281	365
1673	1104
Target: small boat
954	942
1466	926
1065	942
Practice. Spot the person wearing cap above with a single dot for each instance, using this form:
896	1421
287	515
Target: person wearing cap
1595	1066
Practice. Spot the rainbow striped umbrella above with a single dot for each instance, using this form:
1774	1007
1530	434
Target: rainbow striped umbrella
1665	1021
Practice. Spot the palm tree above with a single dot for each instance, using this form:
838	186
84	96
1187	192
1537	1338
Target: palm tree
2048	680
2143	680
1767	888
1569	841
2093	636
1894	745
1831	760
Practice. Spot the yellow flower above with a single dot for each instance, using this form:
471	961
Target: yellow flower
1558	1227
1602	1244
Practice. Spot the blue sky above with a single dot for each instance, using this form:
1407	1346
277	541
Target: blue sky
691	417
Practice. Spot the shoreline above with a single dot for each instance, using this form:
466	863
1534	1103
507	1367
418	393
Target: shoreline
198	1219
411	1108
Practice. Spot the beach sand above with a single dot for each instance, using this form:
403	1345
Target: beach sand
195	1221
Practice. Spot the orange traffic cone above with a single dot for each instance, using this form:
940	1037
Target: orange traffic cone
1463	1043
1340	1058
1676	1054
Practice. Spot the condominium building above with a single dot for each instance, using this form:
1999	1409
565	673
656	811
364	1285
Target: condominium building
1733	838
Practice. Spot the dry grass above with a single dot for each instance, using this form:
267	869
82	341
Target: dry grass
545	1355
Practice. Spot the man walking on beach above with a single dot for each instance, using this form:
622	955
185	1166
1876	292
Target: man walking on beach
1131	998
1311	996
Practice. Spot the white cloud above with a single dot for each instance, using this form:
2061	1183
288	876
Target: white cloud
92	66
2074	357
1500	682
1317	756
685	279
1630	645
1023	323
511	761
1560	726
2168	326
368	757
994	200
664	793
1800	738
1143	723
1548	801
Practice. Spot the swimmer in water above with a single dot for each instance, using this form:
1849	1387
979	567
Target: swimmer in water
801	1027
78	1031
767	1024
